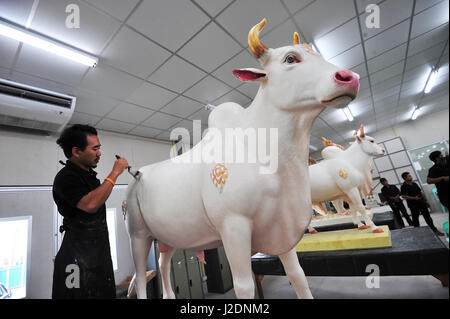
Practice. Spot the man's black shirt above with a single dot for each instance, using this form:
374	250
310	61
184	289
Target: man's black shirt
412	190
390	191
71	184
438	170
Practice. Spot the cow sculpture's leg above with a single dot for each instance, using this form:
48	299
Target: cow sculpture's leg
164	267
140	247
295	274
356	207
236	239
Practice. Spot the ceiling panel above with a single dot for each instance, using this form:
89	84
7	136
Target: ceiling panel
182	107
202	49
82	118
114	126
339	40
207	90
387	40
92	103
96	28
242	15
349	58
331	14
387	59
428	40
387	73
170	22
177	75
161	121
110	82
151	96
233	96
213	7
117	8
142	60
392	12
429	19
145	131
129	113
16	11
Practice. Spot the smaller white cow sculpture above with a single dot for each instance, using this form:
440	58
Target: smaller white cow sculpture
343	174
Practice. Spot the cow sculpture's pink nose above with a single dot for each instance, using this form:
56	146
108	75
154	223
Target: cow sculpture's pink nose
347	78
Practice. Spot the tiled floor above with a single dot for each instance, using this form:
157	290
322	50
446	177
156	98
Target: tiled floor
402	287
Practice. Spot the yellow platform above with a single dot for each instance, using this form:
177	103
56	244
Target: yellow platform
345	239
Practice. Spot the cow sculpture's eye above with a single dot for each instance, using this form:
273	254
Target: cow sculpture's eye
371	141
291	59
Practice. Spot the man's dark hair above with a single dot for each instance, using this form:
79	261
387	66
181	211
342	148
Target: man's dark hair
75	136
434	155
382	180
404	174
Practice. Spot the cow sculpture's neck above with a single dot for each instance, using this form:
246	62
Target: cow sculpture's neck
291	213
359	158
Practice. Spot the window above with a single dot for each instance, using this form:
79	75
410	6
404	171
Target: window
15	244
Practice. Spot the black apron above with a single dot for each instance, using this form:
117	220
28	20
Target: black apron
88	251
83	267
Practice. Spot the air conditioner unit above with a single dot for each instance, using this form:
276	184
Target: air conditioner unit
34	108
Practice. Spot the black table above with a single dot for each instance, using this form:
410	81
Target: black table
379	219
414	251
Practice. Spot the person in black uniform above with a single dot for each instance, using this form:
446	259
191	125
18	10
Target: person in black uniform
80	198
438	174
392	195
416	202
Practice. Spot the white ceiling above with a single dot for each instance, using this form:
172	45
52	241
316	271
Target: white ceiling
161	62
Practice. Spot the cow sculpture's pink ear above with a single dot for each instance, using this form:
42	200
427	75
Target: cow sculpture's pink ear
249	74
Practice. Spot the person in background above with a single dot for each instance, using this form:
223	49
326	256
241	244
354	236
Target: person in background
438	175
392	195
83	266
417	202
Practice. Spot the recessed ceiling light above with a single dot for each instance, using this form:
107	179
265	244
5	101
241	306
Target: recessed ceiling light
431	80
415	113
348	113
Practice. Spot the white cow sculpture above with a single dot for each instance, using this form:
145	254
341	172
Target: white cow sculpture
251	209
346	174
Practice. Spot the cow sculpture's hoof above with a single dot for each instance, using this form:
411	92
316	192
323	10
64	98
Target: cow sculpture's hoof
363	227
377	230
312	232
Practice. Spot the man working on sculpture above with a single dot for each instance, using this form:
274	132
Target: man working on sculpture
83	266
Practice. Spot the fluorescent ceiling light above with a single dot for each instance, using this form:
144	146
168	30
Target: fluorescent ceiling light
25	36
415	113
313	148
431	80
348	113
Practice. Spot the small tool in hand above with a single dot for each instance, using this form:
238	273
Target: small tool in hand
135	173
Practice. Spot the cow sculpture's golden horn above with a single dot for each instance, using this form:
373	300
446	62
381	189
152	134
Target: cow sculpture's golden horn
256	46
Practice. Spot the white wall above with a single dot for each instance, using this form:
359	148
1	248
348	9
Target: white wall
29	159
421	132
